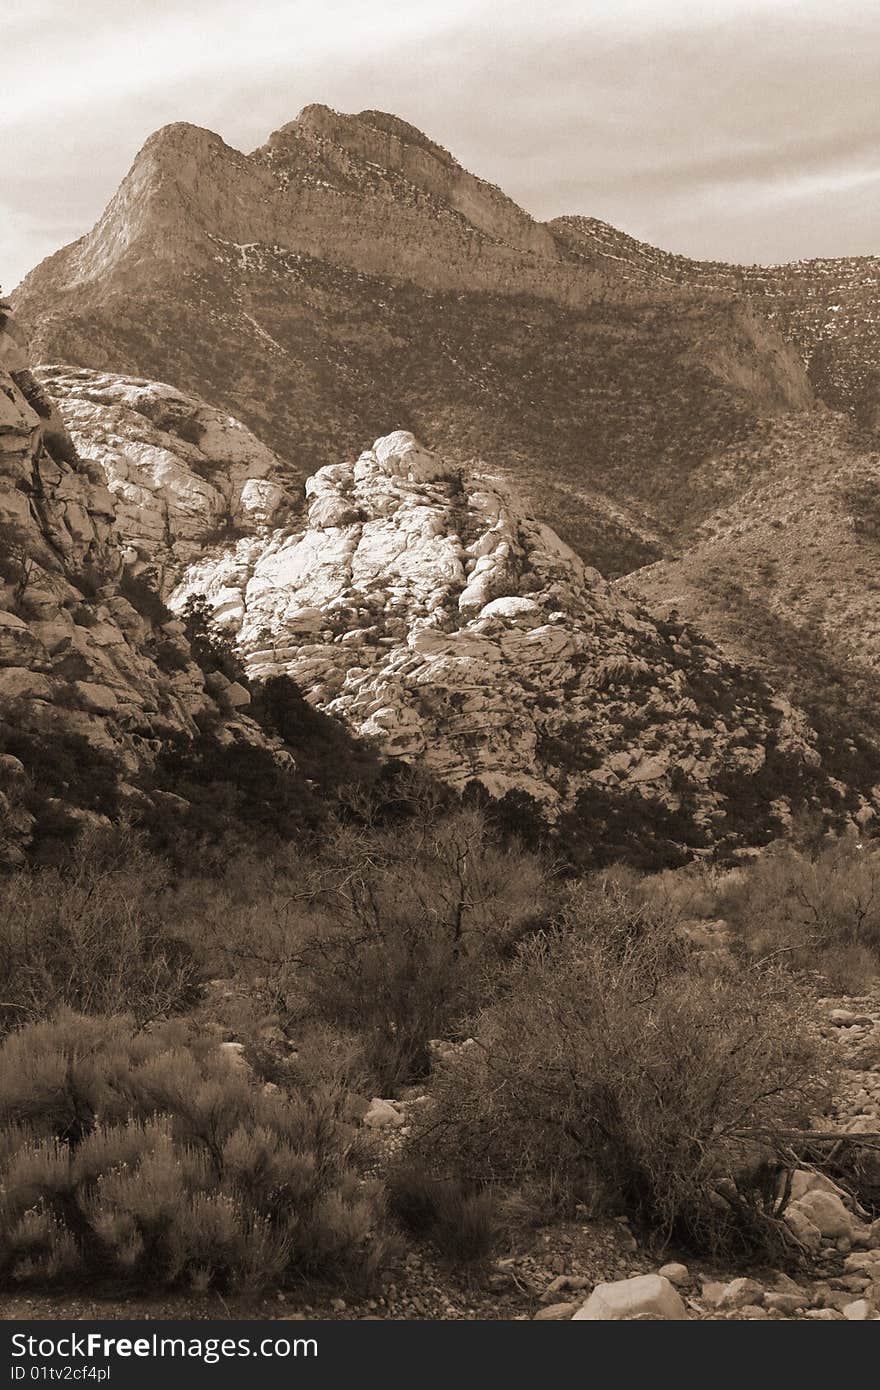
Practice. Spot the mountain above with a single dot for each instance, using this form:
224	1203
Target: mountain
350	277
827	308
670	419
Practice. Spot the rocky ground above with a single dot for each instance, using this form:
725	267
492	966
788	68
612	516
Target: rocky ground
597	1269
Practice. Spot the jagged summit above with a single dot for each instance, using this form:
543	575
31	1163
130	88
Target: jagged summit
367	191
320	120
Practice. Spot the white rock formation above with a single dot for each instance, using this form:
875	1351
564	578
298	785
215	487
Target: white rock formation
181	473
431	612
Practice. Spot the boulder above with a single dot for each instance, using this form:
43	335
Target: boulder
863	1262
234	1054
236	695
384	1114
739	1293
556	1312
99	699
802	1228
20	683
804	1180
642	1296
785	1303
859	1311
677	1274
825	1211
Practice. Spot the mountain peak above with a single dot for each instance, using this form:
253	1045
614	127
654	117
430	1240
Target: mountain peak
355	131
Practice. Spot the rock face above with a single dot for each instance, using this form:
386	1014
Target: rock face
181	473
367	192
78	658
426	608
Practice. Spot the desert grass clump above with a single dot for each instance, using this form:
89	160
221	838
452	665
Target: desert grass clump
614	1067
152	1159
463	1221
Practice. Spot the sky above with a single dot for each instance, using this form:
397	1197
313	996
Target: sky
742	130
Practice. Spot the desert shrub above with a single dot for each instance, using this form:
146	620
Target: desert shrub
17	565
847	968
406	929
62	764
93	935
151	1159
689	893
387	935
515	818
170	657
611	1067
226	791
84	615
606	828
806	905
463	1222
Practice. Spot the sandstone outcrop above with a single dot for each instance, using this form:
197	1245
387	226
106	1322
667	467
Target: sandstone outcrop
431	612
181	473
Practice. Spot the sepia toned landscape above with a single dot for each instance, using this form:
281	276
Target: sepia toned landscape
439	755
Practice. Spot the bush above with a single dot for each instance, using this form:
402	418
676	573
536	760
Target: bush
151	1159
144	599
805	906
93	936
211	648
325	751
170	657
225	792
612	1067
406	930
62	764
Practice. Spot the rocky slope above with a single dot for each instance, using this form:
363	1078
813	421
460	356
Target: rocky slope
93	672
422	605
350	277
784	573
828	308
